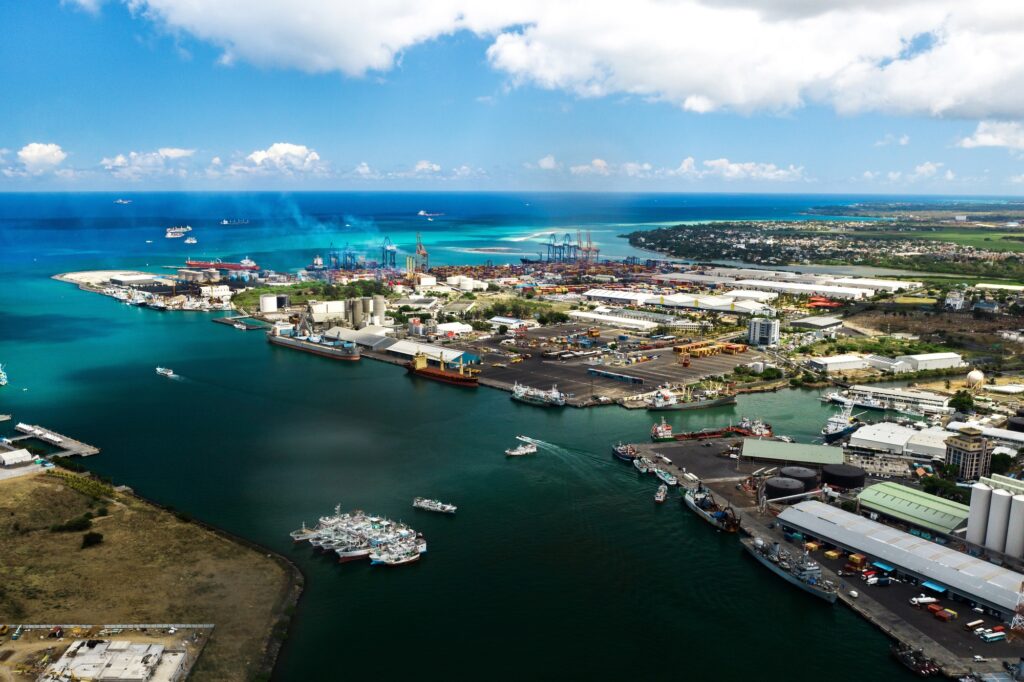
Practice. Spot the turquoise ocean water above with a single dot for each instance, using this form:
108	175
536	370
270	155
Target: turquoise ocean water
558	566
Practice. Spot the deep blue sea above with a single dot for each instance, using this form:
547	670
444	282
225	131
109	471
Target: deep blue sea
558	566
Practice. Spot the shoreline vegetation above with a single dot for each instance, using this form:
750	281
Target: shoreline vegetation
146	563
964	245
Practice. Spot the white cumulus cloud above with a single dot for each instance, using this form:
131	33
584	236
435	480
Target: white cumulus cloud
595	167
166	161
1008	134
547	163
280	158
425	167
932	57
39	157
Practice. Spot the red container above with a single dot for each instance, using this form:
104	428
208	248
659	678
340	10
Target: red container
999	628
944	616
935	608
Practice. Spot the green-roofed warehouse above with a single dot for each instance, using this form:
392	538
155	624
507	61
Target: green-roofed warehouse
785	453
914	507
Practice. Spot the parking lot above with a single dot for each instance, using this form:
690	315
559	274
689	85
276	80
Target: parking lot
572	375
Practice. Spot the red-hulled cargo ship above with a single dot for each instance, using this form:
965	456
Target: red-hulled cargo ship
244	264
463	376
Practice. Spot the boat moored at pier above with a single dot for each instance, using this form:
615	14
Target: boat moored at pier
801	571
460	376
535	396
315	344
625	452
703	504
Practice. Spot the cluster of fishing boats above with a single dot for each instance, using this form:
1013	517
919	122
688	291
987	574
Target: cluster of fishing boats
646	466
356	535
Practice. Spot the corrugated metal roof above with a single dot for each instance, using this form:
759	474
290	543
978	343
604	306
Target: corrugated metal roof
914	506
960	572
791	452
410	348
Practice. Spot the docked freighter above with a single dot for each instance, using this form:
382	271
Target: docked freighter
801	571
704	505
663	399
535	396
461	376
315	344
625	452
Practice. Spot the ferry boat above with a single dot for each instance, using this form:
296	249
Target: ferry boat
625	452
236	221
662	432
122	202
165	372
191	240
666	477
663	399
463	376
535	396
217	264
915	661
433	505
643	465
173	235
840	425
703	504
802	571
3	376
336	350
662	493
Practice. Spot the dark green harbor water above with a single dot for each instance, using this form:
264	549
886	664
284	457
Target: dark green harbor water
556	566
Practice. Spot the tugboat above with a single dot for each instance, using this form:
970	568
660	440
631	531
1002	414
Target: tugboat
433	505
662	432
463	376
802	572
704	505
840	425
625	452
915	661
662	493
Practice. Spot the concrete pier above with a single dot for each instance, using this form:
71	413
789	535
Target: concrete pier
69	447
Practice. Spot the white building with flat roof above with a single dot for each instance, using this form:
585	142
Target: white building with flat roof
891	285
838	363
613	321
923	361
620	296
803	289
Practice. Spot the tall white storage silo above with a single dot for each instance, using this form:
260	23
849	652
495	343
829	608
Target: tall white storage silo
1015	529
998	520
977	520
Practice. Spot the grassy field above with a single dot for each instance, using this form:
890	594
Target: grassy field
150	567
979	238
914	300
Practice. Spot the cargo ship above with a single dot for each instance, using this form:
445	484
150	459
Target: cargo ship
708	434
702	503
463	376
915	661
535	396
664	399
218	264
336	350
802	571
840	425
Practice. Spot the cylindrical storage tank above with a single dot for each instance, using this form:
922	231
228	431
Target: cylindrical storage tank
977	520
379	307
779	486
809	477
357	315
843	476
268	303
1015	529
998	520
1015	424
283	301
367	306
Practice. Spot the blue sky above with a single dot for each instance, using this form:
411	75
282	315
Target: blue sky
310	96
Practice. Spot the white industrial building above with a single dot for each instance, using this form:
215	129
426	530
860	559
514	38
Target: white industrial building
884	364
891	285
923	361
16	458
620	296
763	331
408	349
718	304
937	567
613	321
454	328
463	283
750	295
511	322
802	289
893	439
838	363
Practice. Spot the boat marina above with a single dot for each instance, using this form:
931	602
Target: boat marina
356	535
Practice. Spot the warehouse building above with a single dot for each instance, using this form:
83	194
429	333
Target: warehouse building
618	296
939	569
16	458
613	321
802	289
778	452
837	363
817	323
923	361
117	660
890	285
749	295
913	507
